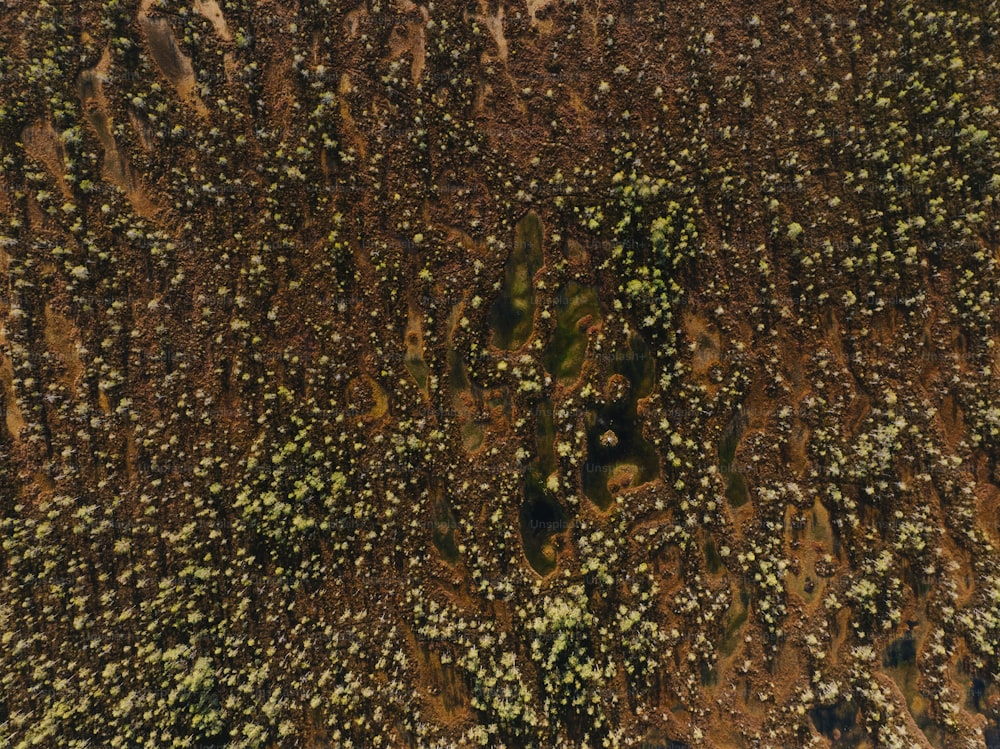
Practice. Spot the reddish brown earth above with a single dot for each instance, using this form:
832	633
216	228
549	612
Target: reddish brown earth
309	441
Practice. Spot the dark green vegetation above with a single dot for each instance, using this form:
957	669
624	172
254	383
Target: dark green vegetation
548	374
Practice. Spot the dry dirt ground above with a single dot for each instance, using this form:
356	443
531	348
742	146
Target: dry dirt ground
513	373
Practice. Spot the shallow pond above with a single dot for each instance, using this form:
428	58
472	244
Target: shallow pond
541	518
736	488
839	723
512	317
566	351
618	455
